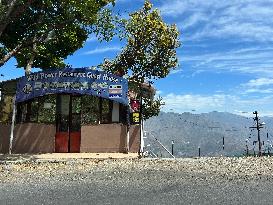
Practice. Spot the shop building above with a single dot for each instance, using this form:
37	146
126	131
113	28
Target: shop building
70	110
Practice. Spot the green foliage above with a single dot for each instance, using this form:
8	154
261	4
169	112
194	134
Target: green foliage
151	108
150	52
47	31
6	109
105	27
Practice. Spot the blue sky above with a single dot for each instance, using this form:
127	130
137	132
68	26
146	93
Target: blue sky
226	57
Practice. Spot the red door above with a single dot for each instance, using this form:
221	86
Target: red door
68	133
61	142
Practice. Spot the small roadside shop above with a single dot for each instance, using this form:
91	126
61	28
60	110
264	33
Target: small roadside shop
68	110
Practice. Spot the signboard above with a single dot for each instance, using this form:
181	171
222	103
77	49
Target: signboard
73	80
135	118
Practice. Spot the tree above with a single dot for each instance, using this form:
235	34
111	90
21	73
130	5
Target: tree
149	53
42	33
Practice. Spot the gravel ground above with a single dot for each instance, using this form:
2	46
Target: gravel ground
138	181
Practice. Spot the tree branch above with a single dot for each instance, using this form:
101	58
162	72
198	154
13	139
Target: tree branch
10	54
12	13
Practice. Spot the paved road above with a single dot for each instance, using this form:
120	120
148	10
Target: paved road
132	184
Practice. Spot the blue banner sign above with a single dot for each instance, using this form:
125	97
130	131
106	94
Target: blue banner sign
74	81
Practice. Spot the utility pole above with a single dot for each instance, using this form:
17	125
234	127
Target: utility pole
172	146
268	144
246	147
258	126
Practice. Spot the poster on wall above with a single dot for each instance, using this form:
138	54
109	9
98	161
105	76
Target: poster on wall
135	111
74	81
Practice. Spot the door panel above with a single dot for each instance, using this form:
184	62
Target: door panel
75	124
68	133
75	141
61	142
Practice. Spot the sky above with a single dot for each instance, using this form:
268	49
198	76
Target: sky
225	60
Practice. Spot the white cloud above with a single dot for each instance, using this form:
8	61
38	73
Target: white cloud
217	102
247	19
174	8
259	85
127	1
189	102
159	92
193	20
176	71
254	60
103	50
91	38
263	91
259	82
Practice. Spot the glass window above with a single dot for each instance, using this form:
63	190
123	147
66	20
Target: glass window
28	111
47	109
76	114
106	107
75	123
40	110
33	107
90	110
76	104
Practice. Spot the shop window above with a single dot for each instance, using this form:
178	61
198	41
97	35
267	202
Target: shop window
90	110
40	110
106	107
97	110
75	123
47	109
34	110
75	114
76	104
28	111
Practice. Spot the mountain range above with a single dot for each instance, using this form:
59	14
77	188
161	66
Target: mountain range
206	131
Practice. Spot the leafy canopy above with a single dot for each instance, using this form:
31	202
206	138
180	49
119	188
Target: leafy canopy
149	53
43	33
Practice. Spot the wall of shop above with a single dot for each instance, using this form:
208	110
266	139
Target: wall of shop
4	138
40	138
103	138
34	138
109	138
134	144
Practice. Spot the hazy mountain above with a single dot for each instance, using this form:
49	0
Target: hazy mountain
190	131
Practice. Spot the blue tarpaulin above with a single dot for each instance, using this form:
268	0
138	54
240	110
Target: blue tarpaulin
74	81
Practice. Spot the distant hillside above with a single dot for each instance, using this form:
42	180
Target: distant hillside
190	131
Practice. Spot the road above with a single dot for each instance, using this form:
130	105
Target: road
132	183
